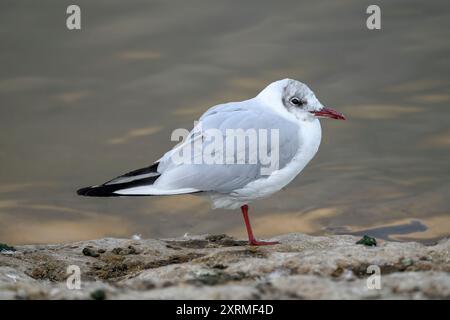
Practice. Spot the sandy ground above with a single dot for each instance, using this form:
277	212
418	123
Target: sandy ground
220	267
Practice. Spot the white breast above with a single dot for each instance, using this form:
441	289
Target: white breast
310	134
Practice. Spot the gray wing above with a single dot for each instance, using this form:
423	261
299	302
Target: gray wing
227	177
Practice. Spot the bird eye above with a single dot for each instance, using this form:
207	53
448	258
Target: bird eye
297	101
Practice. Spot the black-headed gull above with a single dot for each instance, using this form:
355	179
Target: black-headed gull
287	107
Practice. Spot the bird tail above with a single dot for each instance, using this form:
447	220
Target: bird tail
97	191
137	178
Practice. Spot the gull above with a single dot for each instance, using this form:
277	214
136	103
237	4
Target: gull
287	107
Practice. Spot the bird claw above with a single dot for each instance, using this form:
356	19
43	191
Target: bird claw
262	243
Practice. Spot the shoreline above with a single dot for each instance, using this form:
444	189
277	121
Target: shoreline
221	267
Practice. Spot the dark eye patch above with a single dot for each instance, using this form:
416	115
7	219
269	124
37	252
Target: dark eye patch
298	102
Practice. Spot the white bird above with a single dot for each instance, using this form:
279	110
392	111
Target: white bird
288	106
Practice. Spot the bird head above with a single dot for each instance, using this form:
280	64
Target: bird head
296	98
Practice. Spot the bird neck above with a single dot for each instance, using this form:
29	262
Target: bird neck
271	95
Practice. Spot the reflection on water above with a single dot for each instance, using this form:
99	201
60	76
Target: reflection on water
79	107
387	231
135	133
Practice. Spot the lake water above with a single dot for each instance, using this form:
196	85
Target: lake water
80	107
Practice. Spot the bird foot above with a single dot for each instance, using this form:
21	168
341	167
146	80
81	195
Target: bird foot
262	243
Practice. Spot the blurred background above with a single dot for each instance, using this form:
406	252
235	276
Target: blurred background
80	107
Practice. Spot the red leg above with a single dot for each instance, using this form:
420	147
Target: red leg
251	239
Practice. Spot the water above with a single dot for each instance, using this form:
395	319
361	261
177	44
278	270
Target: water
80	107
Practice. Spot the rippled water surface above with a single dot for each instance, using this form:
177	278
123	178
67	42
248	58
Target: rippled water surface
80	107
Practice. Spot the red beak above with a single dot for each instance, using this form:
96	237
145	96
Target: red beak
329	113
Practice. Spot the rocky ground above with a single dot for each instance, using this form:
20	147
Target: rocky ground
220	267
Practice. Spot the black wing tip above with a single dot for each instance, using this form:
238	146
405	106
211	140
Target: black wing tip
100	191
150	169
107	189
83	191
